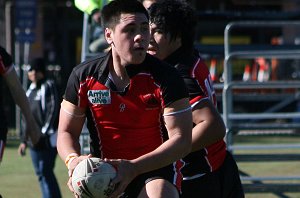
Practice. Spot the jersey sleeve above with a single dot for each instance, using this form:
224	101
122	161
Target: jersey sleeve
6	63
75	88
172	85
201	78
5	69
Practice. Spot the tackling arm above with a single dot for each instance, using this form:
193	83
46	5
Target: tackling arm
209	126
21	100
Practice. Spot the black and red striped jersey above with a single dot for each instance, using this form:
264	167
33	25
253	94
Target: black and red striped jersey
124	124
198	81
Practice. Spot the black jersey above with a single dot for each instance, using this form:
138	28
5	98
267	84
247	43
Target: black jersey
198	81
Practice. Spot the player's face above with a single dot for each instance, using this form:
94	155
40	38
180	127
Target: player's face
161	45
130	38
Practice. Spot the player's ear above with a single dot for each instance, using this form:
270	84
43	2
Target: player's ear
108	35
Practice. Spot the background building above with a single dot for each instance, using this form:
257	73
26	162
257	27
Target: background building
56	32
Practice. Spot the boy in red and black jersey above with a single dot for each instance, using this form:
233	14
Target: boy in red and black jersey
123	95
210	171
114	113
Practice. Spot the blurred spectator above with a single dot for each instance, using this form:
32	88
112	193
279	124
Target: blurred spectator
43	99
93	8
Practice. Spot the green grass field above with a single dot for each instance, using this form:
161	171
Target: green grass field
17	178
270	168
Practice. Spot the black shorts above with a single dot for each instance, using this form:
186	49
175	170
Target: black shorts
222	183
167	173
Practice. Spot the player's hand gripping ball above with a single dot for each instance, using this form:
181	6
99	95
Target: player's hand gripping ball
92	177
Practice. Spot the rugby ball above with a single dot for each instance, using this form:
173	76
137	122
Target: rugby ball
92	177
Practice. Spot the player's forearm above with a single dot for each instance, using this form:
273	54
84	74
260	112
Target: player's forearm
18	93
169	152
67	144
21	100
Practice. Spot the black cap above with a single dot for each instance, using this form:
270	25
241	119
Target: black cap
37	64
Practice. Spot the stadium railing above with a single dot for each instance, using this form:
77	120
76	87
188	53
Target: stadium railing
263	120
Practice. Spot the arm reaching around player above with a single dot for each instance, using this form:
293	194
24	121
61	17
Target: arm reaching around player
20	98
8	73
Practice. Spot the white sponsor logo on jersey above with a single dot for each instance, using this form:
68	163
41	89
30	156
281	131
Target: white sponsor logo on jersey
99	96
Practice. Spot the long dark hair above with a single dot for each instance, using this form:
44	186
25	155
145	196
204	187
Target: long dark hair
177	18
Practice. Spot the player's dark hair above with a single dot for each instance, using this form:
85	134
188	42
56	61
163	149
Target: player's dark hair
177	18
110	14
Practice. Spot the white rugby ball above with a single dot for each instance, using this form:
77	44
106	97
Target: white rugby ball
92	177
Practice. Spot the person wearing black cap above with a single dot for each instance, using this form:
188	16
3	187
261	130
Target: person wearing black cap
44	103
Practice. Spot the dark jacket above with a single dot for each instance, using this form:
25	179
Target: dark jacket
44	104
